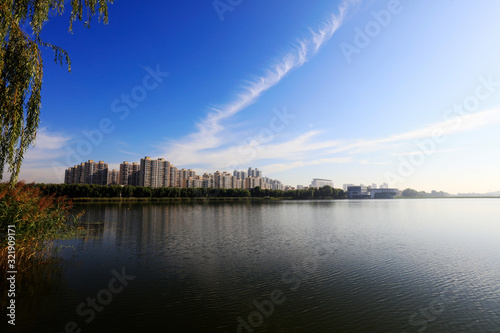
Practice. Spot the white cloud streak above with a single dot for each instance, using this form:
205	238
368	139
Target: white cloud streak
308	149
299	164
188	148
448	127
47	146
36	164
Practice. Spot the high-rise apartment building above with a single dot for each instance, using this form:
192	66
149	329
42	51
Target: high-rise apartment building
113	177
129	174
87	173
152	172
161	173
157	173
134	177
145	172
166	174
125	172
174	177
100	176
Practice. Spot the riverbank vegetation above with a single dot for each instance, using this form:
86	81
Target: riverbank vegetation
411	193
117	191
30	222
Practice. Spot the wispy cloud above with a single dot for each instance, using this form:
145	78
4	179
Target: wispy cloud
209	147
299	164
47	146
418	152
448	127
129	153
310	149
208	131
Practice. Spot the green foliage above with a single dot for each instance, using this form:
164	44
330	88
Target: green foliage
21	69
116	191
411	193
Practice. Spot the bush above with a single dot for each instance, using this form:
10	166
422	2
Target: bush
38	219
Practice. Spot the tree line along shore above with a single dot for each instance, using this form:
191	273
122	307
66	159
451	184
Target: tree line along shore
86	191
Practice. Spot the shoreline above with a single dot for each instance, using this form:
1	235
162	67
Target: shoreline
206	199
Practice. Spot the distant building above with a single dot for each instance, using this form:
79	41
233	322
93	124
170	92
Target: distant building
383	193
157	173
363	192
133	179
88	172
113	177
346	186
100	176
129	174
160	173
357	192
253	182
317	182
254	173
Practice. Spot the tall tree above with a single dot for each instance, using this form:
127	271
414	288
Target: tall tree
21	68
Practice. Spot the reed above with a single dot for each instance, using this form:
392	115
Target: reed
39	220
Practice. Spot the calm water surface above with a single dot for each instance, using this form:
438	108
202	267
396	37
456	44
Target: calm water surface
289	266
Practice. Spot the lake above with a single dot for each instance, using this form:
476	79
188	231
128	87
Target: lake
422	265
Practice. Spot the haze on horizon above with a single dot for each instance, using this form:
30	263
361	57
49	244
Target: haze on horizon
399	92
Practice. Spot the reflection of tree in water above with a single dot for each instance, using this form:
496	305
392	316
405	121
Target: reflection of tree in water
91	221
92	229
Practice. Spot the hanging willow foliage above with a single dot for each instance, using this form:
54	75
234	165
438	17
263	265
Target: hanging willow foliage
21	68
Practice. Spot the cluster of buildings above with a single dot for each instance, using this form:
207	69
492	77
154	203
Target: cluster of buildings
91	173
358	191
366	187
370	192
161	173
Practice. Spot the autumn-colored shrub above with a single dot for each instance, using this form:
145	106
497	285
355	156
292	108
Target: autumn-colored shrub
38	220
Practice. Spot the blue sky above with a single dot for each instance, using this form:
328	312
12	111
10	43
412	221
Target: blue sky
404	92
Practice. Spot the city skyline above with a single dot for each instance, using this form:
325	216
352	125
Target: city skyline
354	91
161	173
